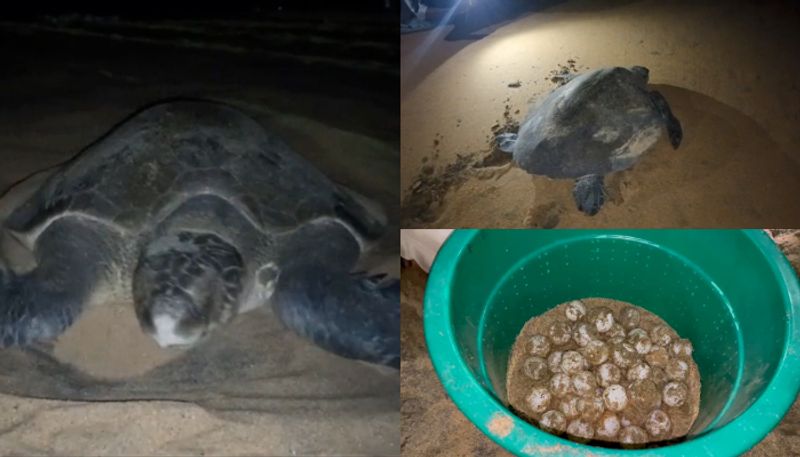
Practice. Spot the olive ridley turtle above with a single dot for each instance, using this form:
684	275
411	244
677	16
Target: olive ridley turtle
597	123
197	213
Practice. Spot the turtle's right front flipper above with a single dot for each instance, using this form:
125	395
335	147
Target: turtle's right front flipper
674	128
349	315
589	193
40	304
506	141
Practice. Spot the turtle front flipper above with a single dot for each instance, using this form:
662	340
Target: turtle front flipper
589	193
674	128
506	141
350	315
72	256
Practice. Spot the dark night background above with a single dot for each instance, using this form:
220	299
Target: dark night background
347	49
229	9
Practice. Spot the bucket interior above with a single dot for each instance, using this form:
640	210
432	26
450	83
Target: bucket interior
713	287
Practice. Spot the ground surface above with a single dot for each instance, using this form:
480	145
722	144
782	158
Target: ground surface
723	67
433	426
330	89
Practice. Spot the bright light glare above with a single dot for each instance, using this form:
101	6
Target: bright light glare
432	37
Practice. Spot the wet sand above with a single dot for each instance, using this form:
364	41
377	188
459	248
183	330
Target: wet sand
728	78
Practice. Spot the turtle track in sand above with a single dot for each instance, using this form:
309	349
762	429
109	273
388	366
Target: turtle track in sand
424	200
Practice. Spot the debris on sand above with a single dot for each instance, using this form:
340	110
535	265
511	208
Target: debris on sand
515	84
430	188
563	73
508	124
423	203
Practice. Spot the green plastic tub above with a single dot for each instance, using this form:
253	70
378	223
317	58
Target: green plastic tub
731	292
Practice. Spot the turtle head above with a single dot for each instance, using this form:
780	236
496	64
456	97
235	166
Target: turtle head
174	320
641	72
185	285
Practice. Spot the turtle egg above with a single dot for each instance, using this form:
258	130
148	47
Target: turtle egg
560	333
535	368
643	345
553	421
629	317
584	383
539	400
615	397
575	310
661	335
636	334
591	407
682	348
554	361
560	384
608	426
658	375
675	394
608	374
623	355
584	333
570	406
595	352
644	395
676	369
539	345
581	429
602	319
632	435
639	372
658	423
572	362
658	356
616	334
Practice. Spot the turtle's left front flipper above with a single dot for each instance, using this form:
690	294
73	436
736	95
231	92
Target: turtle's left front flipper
352	316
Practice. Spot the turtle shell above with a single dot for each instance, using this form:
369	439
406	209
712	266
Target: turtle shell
599	122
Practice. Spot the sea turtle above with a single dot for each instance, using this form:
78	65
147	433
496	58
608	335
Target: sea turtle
198	213
598	122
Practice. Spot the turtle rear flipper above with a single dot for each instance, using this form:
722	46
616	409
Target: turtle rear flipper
352	316
361	213
674	128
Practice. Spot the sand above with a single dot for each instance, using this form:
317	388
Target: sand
433	426
727	76
255	388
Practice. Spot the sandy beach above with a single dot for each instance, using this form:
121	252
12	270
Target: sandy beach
726	75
